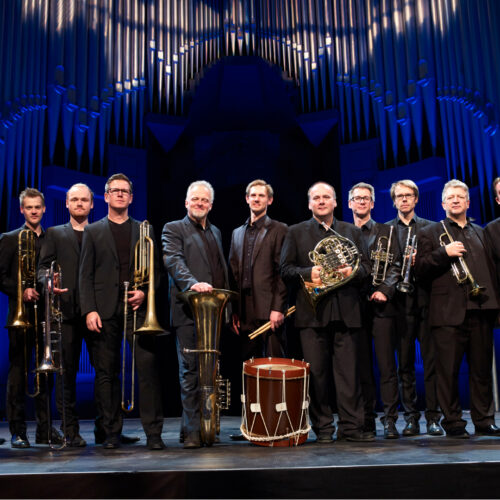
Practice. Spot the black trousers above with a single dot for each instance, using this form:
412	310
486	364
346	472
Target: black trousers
474	338
73	333
16	382
108	369
332	353
410	327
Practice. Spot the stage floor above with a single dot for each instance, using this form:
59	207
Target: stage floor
416	467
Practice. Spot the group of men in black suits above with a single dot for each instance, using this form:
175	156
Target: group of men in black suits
268	263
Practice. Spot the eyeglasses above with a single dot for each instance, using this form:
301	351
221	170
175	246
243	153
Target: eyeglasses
359	199
116	191
403	196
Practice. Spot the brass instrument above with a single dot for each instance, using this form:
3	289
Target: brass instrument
144	274
381	258
208	309
332	253
411	245
26	278
460	269
52	361
266	326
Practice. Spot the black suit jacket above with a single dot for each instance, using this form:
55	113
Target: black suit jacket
268	290
8	270
185	259
448	300
61	245
299	241
492	231
99	268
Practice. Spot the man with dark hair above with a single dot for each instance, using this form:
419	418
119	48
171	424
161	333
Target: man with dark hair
21	340
329	332
454	259
107	262
254	260
193	257
411	319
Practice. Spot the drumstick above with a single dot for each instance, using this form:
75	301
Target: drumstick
267	326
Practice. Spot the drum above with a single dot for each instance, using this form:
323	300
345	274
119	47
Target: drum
275	401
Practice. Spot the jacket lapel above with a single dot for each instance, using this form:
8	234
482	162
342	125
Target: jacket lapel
239	242
108	236
70	235
197	239
260	238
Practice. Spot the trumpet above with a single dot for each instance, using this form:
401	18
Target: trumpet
52	361
411	245
26	269
460	269
381	258
143	275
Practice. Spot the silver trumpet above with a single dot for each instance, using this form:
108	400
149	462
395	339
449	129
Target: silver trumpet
381	258
411	245
460	269
52	361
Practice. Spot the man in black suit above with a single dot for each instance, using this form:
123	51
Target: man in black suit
381	311
461	315
32	207
329	332
194	259
411	319
254	260
107	262
493	230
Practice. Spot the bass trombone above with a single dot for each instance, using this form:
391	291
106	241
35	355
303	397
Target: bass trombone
144	275
460	269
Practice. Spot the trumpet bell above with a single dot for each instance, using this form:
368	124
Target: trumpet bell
405	287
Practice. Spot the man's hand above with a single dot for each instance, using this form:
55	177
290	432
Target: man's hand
94	323
135	299
346	271
202	287
315	278
455	249
236	324
276	319
59	291
30	295
378	297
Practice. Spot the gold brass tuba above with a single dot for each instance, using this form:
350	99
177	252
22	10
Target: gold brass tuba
332	254
144	274
26	269
208	309
381	258
460	269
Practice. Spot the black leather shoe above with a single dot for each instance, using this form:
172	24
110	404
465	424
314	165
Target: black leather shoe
192	440
357	437
129	439
324	439
487	430
155	443
412	428
19	441
458	433
237	437
390	431
43	438
434	429
111	442
2	440
76	441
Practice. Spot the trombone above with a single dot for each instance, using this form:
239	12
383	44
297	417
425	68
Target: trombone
381	258
460	269
26	269
52	347
144	271
411	245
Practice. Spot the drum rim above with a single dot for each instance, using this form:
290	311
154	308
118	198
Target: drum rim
250	367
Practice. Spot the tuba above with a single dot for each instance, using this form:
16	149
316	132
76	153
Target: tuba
381	258
26	269
460	269
215	394
144	274
332	254
52	361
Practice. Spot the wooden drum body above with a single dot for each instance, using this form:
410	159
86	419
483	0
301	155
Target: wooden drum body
275	401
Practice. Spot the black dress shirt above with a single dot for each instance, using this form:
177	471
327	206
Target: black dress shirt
251	233
122	235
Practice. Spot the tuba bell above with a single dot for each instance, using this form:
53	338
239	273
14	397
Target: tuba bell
332	254
207	309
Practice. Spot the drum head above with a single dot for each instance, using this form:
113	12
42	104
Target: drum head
275	368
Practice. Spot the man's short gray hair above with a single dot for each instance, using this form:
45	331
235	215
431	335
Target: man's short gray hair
204	184
454	183
362	185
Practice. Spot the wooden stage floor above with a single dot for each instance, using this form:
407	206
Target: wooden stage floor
417	467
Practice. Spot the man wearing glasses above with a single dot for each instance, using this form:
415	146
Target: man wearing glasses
411	319
107	262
